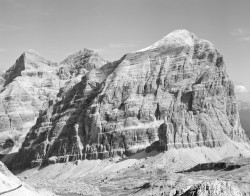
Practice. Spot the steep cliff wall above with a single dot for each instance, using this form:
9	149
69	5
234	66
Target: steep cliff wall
176	91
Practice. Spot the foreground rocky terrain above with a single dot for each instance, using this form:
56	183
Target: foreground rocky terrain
12	186
166	173
158	121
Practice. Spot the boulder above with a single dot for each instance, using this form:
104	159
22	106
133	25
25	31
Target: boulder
52	160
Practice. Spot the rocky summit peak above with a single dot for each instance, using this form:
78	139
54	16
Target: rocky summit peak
81	52
176	38
79	63
86	50
32	59
180	33
31	55
32	52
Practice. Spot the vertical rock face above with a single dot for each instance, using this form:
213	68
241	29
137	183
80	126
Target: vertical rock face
176	91
30	85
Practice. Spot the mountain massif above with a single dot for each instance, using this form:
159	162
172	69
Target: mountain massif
176	92
165	108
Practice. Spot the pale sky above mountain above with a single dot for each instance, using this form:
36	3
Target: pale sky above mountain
56	28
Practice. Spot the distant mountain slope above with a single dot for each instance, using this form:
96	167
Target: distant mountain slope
244	112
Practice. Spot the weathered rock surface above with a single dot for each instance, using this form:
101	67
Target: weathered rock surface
214	188
176	91
32	84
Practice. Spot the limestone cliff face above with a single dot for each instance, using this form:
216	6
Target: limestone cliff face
176	91
29	86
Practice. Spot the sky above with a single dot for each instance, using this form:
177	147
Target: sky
57	28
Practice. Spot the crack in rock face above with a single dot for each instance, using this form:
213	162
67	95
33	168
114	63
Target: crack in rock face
176	91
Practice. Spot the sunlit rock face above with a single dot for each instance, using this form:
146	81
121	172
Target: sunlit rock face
30	85
175	91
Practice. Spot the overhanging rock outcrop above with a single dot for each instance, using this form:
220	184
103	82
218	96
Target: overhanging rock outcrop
176	91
